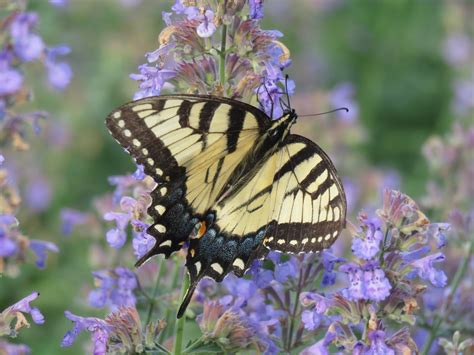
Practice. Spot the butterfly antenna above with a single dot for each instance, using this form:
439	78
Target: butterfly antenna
287	94
258	96
324	113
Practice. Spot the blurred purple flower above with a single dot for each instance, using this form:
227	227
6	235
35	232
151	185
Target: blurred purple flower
256	9
98	328
313	317
343	96
38	193
115	288
425	269
457	48
8	247
13	349
71	218
369	246
59	72
28	46
116	238
59	3
10	81
40	248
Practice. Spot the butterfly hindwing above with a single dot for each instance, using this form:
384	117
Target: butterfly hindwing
190	145
292	202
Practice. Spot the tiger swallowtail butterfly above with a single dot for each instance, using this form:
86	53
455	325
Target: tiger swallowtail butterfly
230	181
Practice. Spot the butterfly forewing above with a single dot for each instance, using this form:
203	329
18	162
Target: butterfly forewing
189	145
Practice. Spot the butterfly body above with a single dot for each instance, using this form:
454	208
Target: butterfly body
230	181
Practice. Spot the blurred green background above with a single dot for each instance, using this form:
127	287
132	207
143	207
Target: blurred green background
391	51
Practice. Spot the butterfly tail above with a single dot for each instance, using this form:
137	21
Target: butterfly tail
187	298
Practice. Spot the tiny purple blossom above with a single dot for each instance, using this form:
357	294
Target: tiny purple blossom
40	248
425	269
23	306
356	290
115	288
321	347
122	219
28	46
139	174
206	28
142	243
10	81
71	218
377	286
256	9
366	248
116	238
98	328
329	261
377	344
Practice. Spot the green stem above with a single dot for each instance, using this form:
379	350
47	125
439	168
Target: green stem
170	315
179	331
222	55
152	299
295	311
382	252
453	287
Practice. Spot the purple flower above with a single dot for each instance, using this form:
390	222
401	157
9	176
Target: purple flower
377	344
40	248
28	46
438	232
313	317
377	287
38	194
139	174
343	96
10	81
142	243
98	328
59	3
321	347
23	306
329	261
369	246
356	290
425	269
8	247
13	349
260	276
59	72
116	238
256	9
206	28
71	218
115	288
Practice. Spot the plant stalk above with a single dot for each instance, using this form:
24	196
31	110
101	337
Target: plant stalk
179	332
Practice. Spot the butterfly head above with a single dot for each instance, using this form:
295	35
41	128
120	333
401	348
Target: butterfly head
281	127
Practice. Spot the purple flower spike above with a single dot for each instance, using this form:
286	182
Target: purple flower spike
40	248
425	269
98	328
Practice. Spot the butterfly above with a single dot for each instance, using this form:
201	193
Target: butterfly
231	182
